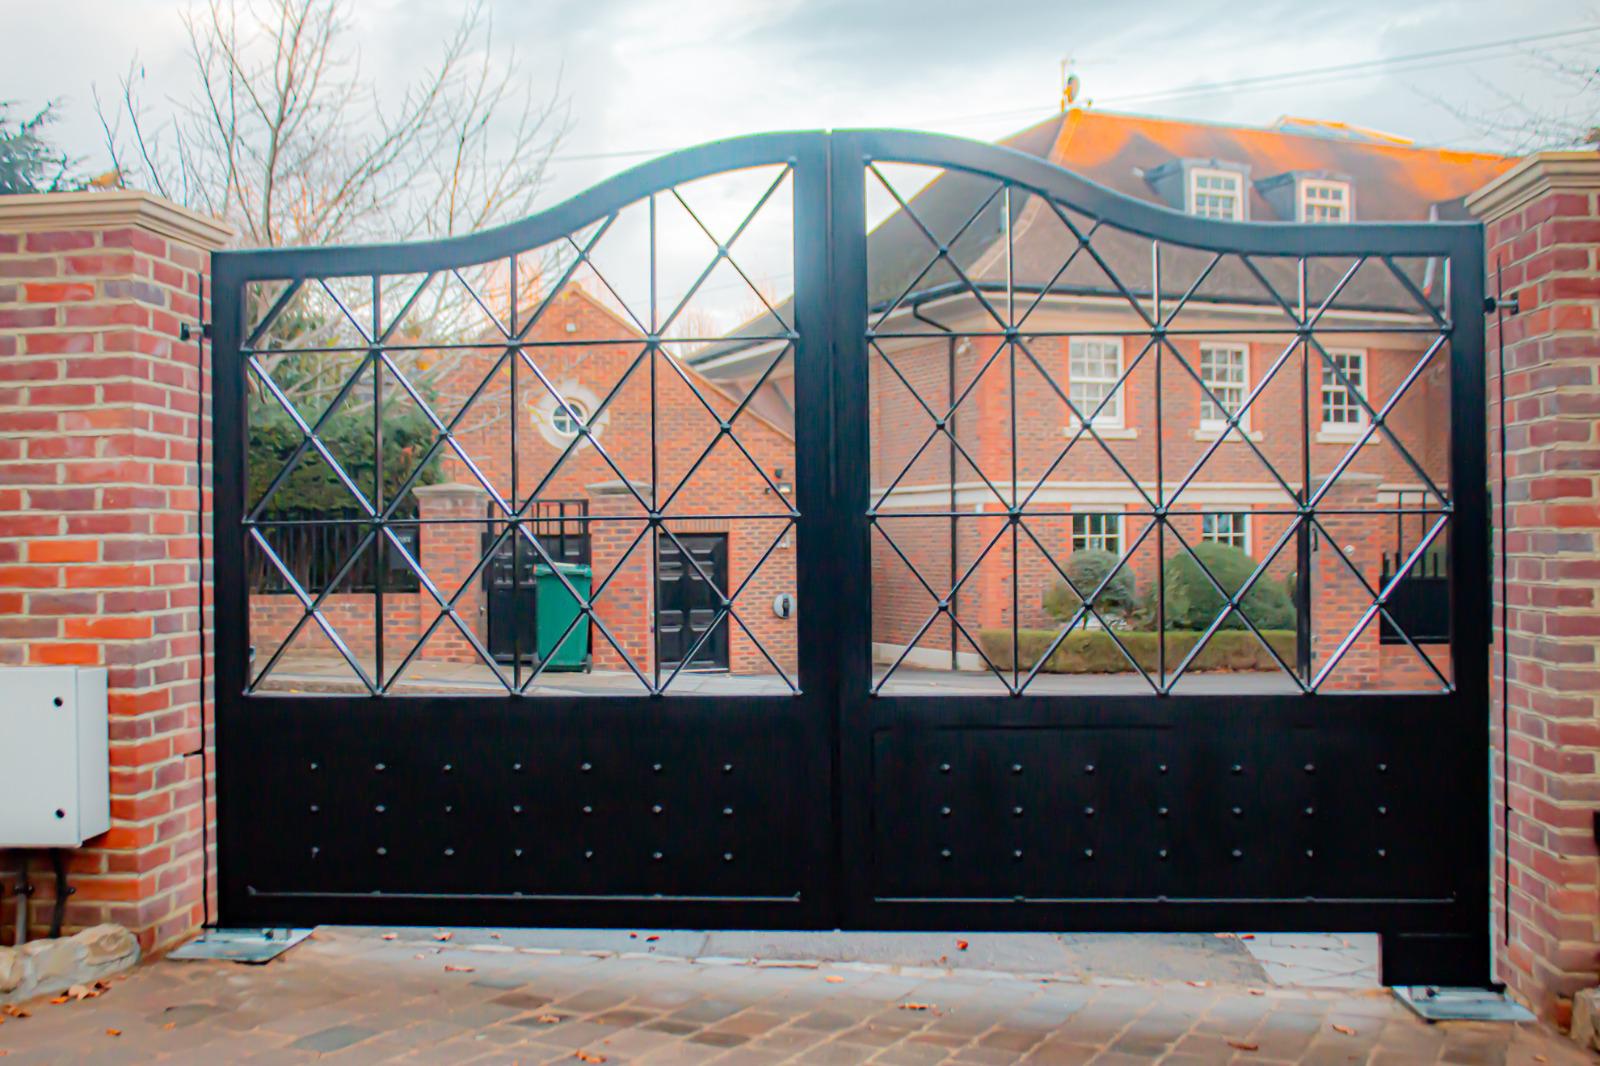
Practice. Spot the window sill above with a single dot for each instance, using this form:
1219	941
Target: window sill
1233	435
1343	436
1105	432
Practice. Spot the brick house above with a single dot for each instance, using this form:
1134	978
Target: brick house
703	481
940	349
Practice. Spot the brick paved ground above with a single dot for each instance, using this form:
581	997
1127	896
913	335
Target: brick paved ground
349	998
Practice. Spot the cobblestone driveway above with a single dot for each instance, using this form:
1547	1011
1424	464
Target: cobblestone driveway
345	997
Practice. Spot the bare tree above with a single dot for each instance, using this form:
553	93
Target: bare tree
1518	124
283	135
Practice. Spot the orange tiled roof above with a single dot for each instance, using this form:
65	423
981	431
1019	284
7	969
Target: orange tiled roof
1394	180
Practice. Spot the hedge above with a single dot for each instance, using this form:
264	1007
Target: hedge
1091	651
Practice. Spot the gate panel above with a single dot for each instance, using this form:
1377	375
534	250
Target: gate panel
1124	483
378	760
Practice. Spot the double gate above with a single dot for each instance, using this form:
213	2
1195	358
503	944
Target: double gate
903	750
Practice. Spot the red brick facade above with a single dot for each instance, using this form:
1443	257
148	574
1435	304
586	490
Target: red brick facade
1543	232
100	543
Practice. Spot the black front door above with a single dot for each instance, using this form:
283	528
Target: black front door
686	603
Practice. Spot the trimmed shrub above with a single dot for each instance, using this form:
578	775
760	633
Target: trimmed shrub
1087	569
1192	601
1092	651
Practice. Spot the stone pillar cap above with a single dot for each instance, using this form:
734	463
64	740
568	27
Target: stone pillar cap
1535	176
110	209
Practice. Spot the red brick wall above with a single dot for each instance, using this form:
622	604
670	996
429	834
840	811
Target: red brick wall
100	559
1543	232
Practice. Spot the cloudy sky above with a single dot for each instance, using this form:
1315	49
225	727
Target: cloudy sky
647	75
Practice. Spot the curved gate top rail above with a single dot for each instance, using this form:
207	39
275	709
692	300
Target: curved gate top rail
885	145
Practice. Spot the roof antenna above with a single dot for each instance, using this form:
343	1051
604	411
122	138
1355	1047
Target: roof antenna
1069	84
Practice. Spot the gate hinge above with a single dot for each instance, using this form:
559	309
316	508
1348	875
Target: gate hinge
187	330
1511	305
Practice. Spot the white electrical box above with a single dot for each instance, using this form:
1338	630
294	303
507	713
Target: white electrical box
55	778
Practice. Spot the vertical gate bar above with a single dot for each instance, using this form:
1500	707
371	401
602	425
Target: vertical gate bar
512	412
844	647
379	572
950	422
1011	351
1304	631
1161	473
230	429
653	577
1470	572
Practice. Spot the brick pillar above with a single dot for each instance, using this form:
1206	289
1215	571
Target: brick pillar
101	413
448	554
627	606
1337	599
1543	232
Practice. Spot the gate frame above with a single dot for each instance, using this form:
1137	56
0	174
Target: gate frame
833	723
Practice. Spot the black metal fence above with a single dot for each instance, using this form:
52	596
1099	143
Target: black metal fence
314	547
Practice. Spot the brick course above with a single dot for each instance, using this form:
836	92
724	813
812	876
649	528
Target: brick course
100	553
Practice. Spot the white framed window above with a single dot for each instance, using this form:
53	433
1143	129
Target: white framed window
1094	364
1227	528
1324	201
563	422
1097	532
1225	368
1216	194
1341	410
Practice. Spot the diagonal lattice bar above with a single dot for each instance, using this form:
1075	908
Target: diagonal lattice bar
313	607
583	605
941	424
725	606
1084	425
1379	419
1379	602
447	608
725	428
309	434
594	594
1086	606
722	252
942	607
941	248
1233	604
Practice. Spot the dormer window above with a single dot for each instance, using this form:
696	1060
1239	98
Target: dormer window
1216	194
1324	201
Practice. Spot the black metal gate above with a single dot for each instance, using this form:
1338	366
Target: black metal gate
857	782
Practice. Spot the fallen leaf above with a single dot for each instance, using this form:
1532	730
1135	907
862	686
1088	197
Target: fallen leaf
59	999
1200	984
1256	992
1247	936
650	939
441	935
494	936
633	936
420	955
548	1019
916	1006
1244	1045
1226	936
391	936
834	979
450	968
113	1032
82	992
170	1025
587	1056
961	945
1345	1029
944	960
